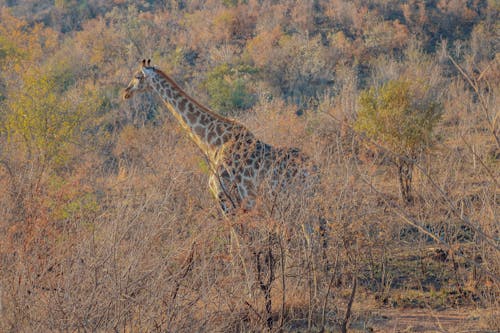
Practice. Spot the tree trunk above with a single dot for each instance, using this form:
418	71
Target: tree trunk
405	173
266	284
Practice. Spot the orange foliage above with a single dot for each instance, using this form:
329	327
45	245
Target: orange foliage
261	46
100	41
20	41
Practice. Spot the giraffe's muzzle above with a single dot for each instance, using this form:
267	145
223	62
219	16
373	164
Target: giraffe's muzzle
127	93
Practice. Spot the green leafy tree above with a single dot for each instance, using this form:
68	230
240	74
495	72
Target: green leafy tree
400	116
45	121
228	89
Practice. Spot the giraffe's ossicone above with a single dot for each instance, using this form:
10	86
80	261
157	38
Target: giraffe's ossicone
241	166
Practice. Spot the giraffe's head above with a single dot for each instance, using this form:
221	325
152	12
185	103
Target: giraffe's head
140	82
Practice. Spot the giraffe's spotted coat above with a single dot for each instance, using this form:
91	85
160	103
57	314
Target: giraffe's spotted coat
239	162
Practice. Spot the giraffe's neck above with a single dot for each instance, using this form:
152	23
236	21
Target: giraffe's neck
207	129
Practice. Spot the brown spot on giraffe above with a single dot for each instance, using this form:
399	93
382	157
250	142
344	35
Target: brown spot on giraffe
211	136
199	130
192	116
182	104
248	172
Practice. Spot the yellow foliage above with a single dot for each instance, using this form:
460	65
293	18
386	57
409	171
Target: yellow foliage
44	121
395	116
223	24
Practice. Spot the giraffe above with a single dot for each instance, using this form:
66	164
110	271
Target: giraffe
238	161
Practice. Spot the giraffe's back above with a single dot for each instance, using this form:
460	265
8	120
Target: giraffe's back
251	167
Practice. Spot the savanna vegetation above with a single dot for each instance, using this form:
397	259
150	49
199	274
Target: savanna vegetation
106	221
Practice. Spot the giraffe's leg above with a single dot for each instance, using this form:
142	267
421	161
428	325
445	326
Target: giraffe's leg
316	234
248	203
224	203
229	204
218	187
323	234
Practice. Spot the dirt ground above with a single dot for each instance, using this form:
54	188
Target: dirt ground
426	320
